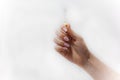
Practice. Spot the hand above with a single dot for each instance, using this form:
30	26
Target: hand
71	45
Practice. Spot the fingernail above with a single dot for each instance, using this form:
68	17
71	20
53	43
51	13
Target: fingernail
65	29
65	48
66	38
67	45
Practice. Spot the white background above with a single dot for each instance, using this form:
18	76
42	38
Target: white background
27	29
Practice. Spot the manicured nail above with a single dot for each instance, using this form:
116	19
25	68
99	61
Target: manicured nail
65	48
67	45
66	38
65	29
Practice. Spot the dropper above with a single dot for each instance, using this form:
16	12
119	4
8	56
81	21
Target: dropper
65	17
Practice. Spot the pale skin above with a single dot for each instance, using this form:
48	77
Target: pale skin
72	46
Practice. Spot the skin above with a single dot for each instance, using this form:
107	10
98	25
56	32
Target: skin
72	46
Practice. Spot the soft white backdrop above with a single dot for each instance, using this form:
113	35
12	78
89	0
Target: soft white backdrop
27	29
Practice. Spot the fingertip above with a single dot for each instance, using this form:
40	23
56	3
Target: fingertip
55	40
58	48
65	27
62	50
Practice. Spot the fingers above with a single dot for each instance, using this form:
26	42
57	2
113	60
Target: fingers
61	43
62	36
69	44
67	29
62	50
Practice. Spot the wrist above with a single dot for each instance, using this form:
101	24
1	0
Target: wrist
98	70
93	69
